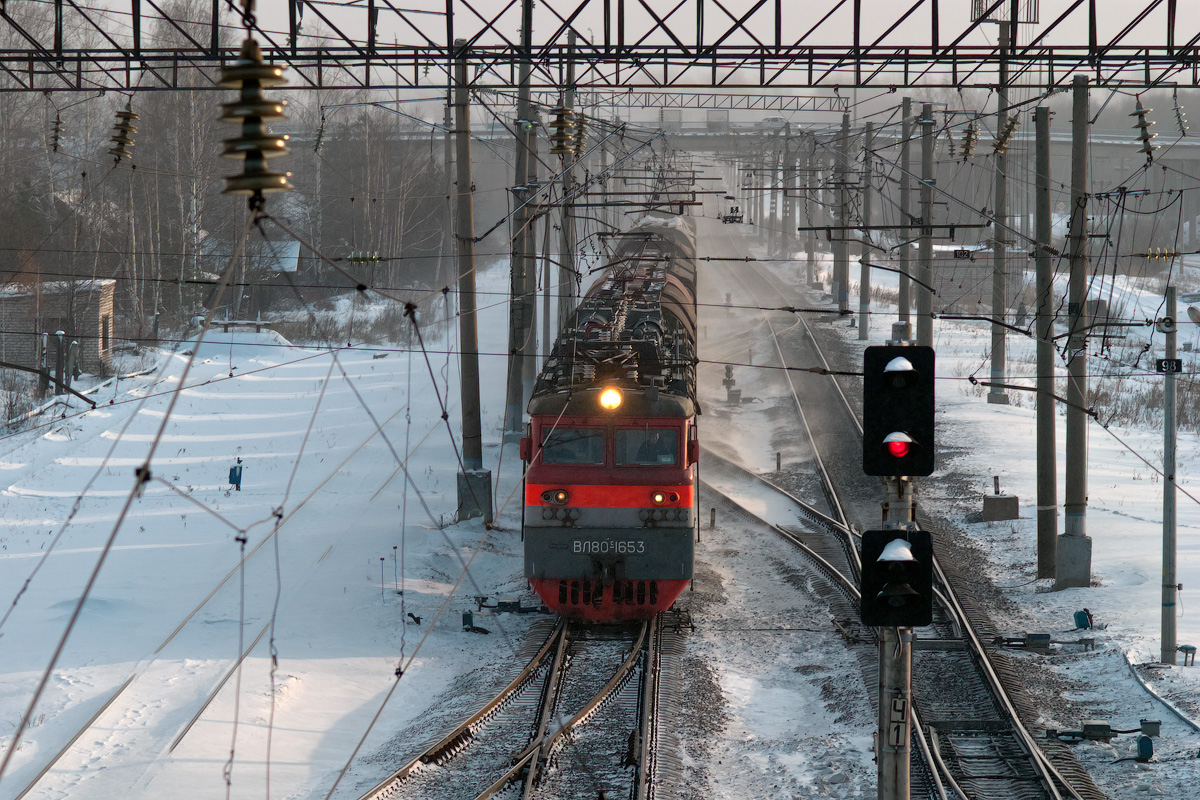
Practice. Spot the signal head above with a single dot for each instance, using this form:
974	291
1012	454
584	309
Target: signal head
898	410
897	578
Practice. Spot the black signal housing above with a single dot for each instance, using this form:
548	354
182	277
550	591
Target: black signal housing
898	404
897	581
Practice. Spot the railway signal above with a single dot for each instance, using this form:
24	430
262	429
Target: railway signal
898	410
897	578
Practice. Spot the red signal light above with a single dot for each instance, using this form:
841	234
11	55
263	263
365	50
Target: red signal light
897	444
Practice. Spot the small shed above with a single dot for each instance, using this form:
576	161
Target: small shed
82	309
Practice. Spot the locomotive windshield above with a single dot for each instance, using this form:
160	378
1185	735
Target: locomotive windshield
648	446
573	446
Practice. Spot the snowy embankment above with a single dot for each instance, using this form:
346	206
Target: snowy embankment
327	553
305	428
1124	521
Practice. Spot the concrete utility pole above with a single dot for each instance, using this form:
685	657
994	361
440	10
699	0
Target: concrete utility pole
1047	459
1074	547
893	752
925	269
529	360
566	268
810	201
864	273
895	712
445	269
547	283
906	130
791	180
760	195
521	308
1168	325
605	211
999	278
841	263
475	483
773	227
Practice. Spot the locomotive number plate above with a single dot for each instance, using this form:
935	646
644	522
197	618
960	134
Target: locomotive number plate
619	546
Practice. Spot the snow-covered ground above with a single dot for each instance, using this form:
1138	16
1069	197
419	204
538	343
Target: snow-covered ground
327	548
1124	521
333	533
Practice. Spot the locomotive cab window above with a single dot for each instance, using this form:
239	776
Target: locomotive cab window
648	447
573	446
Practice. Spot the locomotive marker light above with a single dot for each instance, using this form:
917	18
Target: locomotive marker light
898	408
610	399
897	579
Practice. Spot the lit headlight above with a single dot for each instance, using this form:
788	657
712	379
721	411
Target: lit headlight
610	399
558	497
658	498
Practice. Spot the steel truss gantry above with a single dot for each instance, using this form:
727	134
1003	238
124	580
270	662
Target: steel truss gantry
610	99
67	45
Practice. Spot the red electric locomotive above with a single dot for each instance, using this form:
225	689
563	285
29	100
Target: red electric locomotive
611	504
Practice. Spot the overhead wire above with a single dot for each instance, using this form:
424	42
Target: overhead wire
142	477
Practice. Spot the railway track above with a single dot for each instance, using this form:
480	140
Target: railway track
970	734
578	720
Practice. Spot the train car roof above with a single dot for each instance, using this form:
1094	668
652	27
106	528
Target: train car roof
636	402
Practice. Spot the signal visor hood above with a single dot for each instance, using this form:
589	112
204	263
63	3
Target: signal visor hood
897	550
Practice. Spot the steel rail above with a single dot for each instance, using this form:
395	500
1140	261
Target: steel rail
845	582
938	768
549	698
949	599
831	492
526	758
958	615
767	277
622	673
217	690
1048	773
649	717
521	763
141	668
63	750
812	513
464	732
532	755
850	586
935	751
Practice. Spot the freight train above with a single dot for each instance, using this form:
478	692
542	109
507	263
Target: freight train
611	450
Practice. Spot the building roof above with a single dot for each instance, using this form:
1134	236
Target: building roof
54	287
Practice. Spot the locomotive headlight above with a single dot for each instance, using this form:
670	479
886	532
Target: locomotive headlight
659	498
558	497
610	399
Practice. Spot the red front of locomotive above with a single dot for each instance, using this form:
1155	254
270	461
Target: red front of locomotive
610	502
610	493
